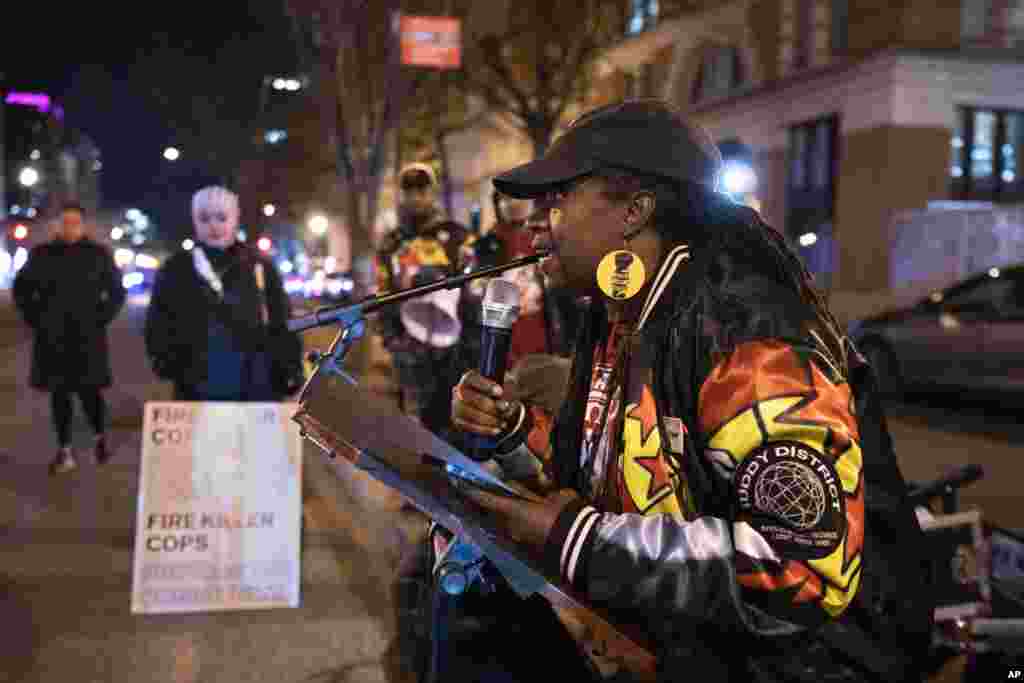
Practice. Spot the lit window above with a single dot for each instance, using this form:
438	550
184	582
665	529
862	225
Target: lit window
1013	146
986	149
720	73
991	23
982	160
956	142
811	192
840	26
798	156
803	34
821	160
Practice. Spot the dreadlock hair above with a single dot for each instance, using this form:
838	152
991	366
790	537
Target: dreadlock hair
704	219
693	213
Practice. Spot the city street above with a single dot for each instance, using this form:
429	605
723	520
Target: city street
873	150
66	556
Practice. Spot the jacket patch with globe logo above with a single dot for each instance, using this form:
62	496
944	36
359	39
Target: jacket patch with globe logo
794	498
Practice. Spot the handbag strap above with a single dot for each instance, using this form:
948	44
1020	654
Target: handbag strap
261	287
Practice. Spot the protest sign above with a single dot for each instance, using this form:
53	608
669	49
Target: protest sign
219	508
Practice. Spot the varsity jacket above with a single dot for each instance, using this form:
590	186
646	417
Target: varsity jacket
722	508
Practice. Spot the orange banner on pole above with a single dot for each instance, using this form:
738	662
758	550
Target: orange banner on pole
431	41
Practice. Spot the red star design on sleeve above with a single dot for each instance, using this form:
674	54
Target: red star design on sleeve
655	464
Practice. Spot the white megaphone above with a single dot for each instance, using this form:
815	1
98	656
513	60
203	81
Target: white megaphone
433	319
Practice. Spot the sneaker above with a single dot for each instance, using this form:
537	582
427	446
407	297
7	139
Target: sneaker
64	462
100	452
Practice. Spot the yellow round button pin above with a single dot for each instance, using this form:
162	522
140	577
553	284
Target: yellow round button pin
554	217
621	274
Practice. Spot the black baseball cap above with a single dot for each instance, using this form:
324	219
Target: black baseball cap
646	135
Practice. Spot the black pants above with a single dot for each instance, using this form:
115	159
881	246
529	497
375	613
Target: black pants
426	379
60	406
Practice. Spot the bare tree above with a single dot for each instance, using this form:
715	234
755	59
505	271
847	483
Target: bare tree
435	109
357	60
536	66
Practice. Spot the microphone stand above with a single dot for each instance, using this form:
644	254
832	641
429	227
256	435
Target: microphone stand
352	318
462	564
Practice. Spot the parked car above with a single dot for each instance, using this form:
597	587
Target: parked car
969	335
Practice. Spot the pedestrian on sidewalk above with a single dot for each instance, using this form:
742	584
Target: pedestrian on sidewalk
68	292
217	320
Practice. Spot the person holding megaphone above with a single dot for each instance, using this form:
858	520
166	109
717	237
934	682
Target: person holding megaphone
424	334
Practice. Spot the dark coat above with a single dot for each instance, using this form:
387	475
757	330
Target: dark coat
186	320
69	294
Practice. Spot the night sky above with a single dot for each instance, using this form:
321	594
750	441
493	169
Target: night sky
101	63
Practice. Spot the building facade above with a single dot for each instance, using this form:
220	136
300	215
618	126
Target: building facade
851	113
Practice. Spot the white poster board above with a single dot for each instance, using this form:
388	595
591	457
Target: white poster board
219	508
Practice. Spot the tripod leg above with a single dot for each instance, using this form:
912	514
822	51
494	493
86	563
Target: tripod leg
442	607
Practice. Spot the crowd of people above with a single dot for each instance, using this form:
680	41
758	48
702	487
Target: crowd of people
434	339
697	425
216	326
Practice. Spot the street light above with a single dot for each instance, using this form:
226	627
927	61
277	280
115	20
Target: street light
123	257
116	233
275	136
172	154
738	178
808	239
318	224
264	244
187	245
289	84
269	210
28	176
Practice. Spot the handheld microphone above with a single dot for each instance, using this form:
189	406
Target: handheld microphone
500	311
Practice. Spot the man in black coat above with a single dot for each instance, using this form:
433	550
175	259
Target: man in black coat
217	321
69	291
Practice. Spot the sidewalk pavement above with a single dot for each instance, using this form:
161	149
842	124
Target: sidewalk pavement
67	544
